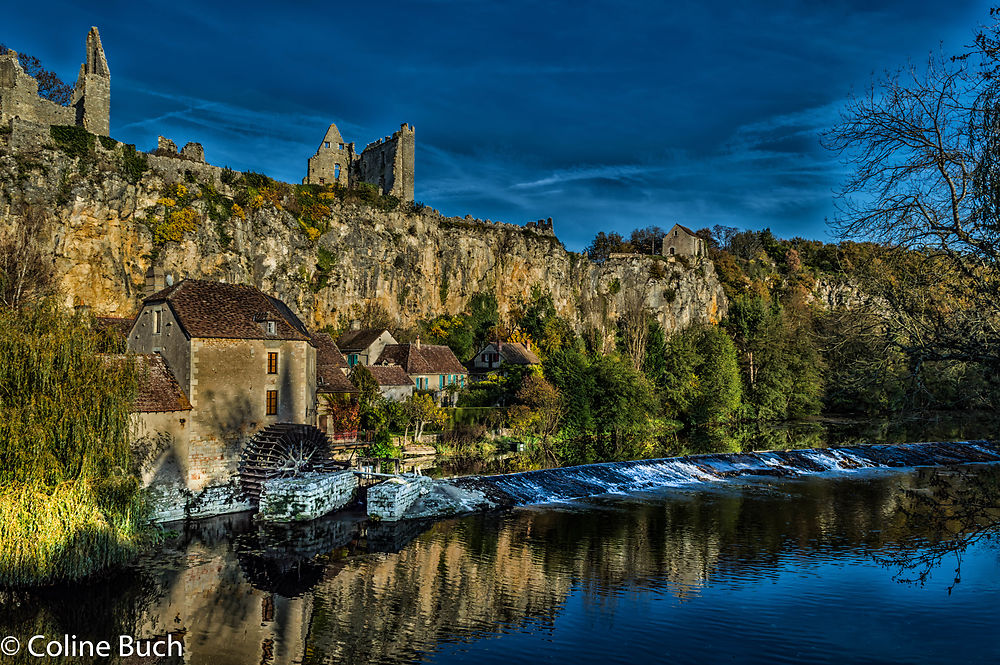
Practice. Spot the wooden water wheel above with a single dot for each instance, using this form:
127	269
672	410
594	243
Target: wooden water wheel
284	450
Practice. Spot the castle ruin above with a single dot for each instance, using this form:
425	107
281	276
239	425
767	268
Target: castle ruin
91	103
386	163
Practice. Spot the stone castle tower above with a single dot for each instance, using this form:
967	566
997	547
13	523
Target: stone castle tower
92	96
91	104
386	163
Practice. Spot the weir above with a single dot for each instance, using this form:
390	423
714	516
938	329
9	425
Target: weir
575	482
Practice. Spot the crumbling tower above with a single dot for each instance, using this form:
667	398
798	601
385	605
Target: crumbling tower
92	95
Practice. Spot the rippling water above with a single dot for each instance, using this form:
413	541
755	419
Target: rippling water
747	571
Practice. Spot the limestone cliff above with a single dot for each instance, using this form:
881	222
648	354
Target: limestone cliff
106	224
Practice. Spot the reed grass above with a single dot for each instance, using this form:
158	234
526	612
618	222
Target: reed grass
48	537
70	501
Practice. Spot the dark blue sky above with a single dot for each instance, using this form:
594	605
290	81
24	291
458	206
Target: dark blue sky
602	115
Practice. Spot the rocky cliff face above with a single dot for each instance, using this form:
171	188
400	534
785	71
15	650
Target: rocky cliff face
104	232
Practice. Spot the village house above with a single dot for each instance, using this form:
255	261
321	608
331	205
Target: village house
243	360
682	241
431	367
498	356
363	346
393	382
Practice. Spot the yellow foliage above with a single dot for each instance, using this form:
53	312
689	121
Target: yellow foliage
173	228
272	196
167	202
238	211
177	190
256	202
328	196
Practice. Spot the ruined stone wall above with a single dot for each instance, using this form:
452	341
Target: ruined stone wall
306	497
389	163
19	97
332	162
91	102
388	501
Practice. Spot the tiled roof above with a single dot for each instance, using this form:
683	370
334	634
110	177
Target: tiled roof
119	327
359	340
425	359
334	381
516	353
232	311
685	229
158	389
330	362
327	352
390	375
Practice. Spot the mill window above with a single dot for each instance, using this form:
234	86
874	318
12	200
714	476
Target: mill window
272	402
352	359
272	328
157	322
341	146
326	144
671	251
272	363
336	170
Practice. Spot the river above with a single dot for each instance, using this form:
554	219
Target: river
848	567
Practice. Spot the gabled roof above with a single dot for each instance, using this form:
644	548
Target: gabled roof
158	389
330	363
115	326
230	311
517	353
390	375
359	340
422	359
685	229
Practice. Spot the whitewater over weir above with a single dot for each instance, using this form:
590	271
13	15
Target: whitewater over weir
574	482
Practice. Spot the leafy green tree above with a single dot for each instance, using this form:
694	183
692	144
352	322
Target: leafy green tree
569	372
624	404
718	394
605	244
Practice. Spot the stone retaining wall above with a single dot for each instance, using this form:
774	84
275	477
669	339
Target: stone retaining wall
389	500
306	497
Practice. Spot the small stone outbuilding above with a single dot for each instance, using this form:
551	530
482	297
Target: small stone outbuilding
682	241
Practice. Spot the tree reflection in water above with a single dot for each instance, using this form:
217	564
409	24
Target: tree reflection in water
950	511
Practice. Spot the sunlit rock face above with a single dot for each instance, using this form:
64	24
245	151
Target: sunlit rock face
415	263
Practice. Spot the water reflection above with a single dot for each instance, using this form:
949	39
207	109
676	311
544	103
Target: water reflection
340	590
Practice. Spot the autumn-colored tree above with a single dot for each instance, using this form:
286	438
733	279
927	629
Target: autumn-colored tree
420	411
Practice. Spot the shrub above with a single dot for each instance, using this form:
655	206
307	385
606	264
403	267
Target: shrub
132	163
74	141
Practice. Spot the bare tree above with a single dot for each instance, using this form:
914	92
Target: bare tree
634	321
924	146
26	272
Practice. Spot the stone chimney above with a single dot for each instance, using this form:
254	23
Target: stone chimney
355	324
418	342
155	281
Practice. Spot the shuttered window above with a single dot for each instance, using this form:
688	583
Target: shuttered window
272	402
272	363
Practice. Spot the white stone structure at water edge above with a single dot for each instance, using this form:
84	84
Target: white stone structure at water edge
388	501
306	497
